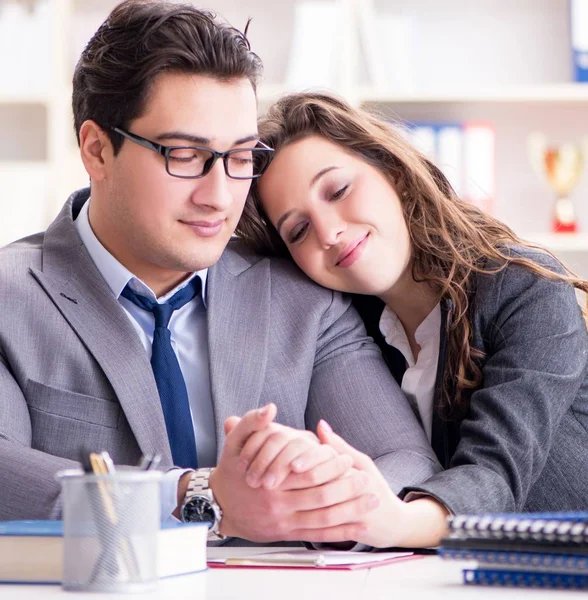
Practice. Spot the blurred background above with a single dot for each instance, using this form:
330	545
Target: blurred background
494	91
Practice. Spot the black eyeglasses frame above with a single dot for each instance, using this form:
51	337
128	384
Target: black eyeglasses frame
165	151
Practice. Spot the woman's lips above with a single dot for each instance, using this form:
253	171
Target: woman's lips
352	252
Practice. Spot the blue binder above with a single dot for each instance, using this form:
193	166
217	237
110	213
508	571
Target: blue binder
579	30
527	579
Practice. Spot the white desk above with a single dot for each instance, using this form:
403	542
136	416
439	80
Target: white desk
420	579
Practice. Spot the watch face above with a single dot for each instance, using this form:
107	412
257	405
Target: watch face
198	510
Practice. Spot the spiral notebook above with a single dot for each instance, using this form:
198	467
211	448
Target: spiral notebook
529	561
521	549
554	528
532	579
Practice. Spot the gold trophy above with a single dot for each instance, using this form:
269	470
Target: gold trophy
562	166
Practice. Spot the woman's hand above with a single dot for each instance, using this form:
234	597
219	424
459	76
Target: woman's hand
280	457
420	523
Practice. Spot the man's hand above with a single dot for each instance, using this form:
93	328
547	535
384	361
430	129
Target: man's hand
267	515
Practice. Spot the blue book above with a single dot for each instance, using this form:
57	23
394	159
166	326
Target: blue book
32	551
579	31
527	579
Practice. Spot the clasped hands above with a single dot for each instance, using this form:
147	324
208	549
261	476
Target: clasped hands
276	483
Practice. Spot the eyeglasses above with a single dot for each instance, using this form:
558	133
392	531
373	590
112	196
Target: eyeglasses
193	162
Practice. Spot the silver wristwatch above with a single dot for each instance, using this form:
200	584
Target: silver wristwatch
200	506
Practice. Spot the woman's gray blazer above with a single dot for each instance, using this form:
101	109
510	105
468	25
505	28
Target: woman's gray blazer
523	446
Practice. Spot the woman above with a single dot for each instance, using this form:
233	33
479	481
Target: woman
482	331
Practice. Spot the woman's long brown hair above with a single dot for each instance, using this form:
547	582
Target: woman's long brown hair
452	240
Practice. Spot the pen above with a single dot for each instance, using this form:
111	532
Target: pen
149	462
109	465
154	463
144	462
315	561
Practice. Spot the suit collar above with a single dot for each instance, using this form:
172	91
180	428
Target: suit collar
237	258
238	315
116	275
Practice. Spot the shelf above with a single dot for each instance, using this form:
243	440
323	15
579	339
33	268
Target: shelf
7	166
24	98
559	242
564	93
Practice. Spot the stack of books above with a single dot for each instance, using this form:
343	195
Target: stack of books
546	550
32	551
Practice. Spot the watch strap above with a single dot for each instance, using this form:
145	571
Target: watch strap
199	485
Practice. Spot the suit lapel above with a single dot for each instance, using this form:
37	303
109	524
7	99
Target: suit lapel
77	289
238	301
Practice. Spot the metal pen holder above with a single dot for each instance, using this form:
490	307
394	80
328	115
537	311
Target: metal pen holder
110	528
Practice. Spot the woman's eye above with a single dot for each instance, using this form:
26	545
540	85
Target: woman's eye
297	233
339	193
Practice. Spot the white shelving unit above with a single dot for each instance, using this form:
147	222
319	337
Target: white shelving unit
560	242
36	126
23	98
558	93
504	61
538	94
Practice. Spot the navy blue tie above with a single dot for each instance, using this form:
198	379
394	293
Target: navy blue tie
168	375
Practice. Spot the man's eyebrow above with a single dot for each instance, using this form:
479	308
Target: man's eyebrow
195	139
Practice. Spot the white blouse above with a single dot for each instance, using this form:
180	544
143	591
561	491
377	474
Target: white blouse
418	382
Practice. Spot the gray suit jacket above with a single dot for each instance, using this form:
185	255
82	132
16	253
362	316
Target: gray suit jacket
73	371
524	444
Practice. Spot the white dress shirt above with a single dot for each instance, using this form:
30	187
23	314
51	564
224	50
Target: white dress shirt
418	382
189	338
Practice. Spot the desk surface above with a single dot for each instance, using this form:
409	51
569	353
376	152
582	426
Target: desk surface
421	579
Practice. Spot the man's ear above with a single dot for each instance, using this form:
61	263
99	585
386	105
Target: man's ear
95	150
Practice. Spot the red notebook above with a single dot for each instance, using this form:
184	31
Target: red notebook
311	559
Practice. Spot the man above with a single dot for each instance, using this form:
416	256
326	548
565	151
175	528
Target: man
130	326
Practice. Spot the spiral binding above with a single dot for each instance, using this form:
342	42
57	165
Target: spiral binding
541	527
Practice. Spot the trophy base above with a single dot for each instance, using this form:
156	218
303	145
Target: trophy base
564	218
559	227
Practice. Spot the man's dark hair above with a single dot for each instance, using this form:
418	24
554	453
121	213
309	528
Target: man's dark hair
140	40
